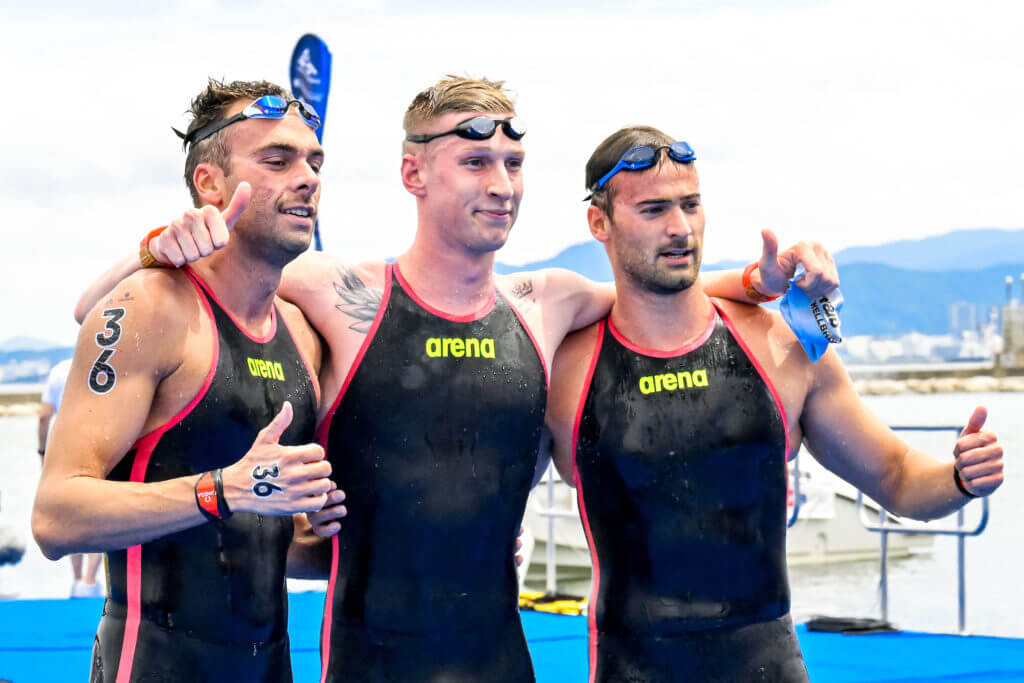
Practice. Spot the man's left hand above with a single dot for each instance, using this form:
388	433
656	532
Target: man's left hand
979	456
775	269
326	521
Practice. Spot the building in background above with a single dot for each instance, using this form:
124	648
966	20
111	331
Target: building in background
1013	327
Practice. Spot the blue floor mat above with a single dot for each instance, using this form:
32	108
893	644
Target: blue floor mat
42	641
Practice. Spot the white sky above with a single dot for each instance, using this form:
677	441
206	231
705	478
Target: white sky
851	122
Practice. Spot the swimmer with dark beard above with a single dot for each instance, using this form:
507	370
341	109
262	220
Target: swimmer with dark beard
674	418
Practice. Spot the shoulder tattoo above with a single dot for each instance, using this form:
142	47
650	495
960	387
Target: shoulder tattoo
523	289
357	300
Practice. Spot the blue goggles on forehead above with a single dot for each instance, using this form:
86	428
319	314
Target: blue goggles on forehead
266	107
639	158
479	128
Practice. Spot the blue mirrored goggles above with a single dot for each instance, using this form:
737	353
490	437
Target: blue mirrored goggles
479	128
266	107
639	158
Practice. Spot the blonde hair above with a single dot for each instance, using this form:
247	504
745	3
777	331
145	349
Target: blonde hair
456	93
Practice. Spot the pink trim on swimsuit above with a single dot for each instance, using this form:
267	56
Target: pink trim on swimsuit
305	361
682	350
529	333
209	292
325	629
143	450
322	436
476	315
592	606
760	370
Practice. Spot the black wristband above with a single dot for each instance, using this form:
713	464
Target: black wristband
960	484
218	486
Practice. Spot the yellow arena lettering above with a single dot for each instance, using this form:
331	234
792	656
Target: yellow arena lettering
673	381
453	347
265	368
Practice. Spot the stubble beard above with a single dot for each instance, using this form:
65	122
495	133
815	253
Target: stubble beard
266	238
661	280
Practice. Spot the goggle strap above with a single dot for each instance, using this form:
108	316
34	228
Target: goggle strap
183	136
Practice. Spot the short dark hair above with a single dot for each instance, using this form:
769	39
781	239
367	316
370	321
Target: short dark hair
608	154
212	105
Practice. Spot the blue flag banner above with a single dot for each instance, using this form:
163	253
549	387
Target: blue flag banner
310	73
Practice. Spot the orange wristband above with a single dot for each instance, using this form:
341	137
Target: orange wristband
751	292
150	235
146	257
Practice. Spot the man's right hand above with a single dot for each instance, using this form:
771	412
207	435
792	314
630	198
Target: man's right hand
272	479
199	232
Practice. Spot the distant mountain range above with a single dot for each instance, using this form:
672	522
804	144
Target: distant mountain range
890	289
26	344
962	250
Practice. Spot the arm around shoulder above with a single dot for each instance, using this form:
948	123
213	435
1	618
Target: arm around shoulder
573	300
105	284
569	374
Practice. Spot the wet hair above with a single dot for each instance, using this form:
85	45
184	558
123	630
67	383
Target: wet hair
211	105
608	154
456	93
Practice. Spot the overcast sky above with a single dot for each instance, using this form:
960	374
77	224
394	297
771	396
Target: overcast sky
851	122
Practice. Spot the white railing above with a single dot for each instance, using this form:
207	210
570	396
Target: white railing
883	529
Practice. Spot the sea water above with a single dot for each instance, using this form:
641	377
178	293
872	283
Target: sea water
922	588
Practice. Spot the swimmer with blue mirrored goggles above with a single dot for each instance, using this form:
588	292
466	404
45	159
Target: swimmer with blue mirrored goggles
266	107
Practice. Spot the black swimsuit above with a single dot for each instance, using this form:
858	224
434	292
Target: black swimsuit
680	469
209	603
434	440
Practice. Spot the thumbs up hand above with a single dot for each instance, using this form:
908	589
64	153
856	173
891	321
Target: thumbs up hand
979	456
199	232
272	479
776	267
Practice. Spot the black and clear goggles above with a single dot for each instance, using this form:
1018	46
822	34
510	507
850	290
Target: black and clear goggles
266	107
479	128
639	158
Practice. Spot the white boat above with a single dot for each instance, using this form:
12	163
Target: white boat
828	529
